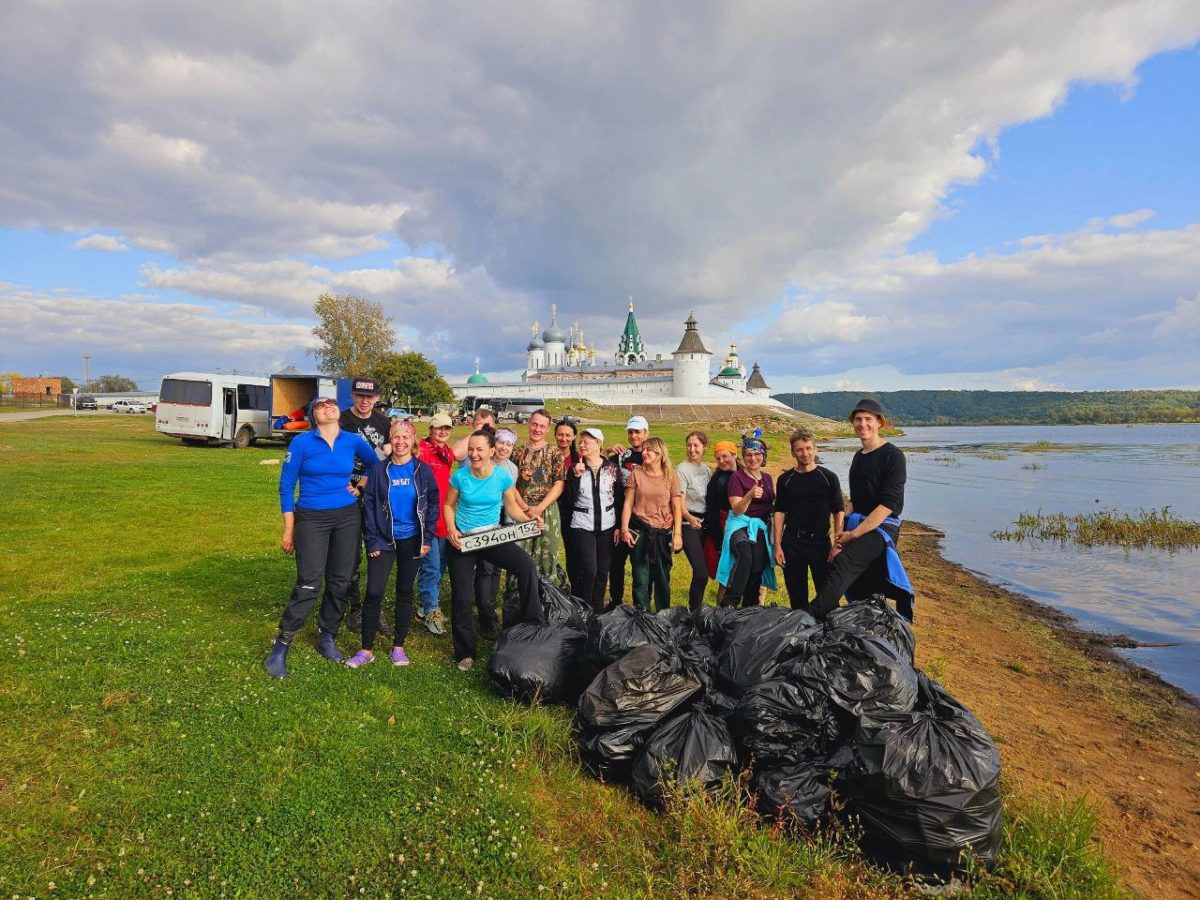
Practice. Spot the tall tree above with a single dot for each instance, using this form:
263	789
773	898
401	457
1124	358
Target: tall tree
68	384
411	378
354	334
113	384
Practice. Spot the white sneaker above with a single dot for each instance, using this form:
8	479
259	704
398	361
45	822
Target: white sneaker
464	665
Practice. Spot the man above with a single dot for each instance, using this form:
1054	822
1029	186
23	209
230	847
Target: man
637	429
541	469
484	416
435	452
806	496
363	418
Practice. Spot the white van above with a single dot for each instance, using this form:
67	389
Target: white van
199	407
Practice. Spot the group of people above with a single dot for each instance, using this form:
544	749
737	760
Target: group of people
367	484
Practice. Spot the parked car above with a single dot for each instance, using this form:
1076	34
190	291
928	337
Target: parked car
129	406
86	401
396	413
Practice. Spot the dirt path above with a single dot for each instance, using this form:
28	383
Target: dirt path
1070	718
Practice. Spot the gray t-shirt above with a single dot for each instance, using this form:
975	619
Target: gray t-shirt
693	478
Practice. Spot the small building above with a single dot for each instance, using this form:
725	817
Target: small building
36	388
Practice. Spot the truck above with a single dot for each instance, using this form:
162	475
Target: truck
290	394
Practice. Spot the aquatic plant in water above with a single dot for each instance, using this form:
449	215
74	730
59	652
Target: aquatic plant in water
1148	528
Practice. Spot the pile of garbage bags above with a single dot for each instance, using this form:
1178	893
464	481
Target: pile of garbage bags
815	711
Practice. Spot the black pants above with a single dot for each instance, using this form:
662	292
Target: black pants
693	549
325	543
750	560
588	561
616	572
353	598
804	553
858	571
406	558
512	559
487	588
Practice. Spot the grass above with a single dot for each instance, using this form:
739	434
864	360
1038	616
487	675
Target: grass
144	753
1148	528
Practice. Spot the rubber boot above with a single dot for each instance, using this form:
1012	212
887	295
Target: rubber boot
275	664
328	648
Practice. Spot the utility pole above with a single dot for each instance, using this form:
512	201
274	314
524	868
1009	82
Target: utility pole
86	359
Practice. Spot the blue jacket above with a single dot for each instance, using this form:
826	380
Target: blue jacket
322	471
754	527
377	505
899	588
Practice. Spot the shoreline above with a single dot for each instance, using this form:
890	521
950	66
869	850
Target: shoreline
1071	716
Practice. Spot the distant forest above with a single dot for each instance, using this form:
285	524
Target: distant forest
1010	407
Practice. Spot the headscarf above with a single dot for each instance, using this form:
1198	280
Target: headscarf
506	436
754	442
724	445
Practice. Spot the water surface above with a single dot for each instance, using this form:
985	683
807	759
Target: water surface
971	481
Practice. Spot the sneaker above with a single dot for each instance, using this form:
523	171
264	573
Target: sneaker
435	622
420	614
360	659
384	628
464	665
354	621
399	657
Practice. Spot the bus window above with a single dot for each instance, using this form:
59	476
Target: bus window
254	396
190	393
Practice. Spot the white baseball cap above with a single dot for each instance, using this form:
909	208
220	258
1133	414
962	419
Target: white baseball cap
596	433
637	423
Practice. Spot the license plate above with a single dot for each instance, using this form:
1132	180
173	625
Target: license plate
493	536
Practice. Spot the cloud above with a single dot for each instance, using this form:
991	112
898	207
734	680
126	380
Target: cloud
103	242
1075	310
702	156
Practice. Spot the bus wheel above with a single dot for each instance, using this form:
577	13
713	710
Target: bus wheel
244	437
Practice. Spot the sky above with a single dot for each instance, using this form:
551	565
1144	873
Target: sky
995	195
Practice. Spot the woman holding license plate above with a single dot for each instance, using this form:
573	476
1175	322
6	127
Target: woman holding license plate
478	492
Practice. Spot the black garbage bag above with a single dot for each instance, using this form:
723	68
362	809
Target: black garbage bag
925	787
796	791
755	645
627	701
863	676
562	608
878	619
678	620
535	661
708	621
781	721
694	746
616	632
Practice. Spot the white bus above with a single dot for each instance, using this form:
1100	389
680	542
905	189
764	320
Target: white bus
200	407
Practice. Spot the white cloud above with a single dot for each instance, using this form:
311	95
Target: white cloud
698	156
103	242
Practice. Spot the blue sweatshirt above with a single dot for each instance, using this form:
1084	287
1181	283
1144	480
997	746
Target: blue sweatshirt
323	471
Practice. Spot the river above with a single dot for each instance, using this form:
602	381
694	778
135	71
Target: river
971	481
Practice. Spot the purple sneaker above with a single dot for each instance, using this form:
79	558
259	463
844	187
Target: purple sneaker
360	659
399	657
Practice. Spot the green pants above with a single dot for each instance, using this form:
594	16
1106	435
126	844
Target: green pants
544	547
651	563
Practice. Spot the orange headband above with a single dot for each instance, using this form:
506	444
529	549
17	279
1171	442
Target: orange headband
725	445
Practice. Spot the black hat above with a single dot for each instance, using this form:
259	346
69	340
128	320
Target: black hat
368	387
867	405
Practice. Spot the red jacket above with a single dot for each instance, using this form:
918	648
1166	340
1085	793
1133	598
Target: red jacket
441	460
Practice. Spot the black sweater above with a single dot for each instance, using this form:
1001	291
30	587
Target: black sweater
877	479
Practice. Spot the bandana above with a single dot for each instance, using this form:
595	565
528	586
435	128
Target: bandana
725	445
505	436
752	444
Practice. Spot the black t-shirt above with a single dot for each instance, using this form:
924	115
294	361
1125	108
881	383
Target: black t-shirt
877	479
808	499
374	428
627	461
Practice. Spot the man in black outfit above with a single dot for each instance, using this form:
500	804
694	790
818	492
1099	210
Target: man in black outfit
805	498
363	418
637	429
877	476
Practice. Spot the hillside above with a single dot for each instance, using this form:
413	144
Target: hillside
1011	407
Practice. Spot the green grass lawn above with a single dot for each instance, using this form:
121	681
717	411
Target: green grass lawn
143	752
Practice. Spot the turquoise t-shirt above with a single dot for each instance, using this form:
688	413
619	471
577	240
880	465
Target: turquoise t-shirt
479	499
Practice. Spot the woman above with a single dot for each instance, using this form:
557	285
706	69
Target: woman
564	438
539	484
694	477
652	524
322	527
593	488
745	555
477	493
716	507
487	576
400	509
866	563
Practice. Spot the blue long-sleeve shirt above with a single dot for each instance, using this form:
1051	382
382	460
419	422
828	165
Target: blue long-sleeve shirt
323	471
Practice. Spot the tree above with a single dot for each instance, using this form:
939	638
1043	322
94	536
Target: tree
354	334
112	384
406	378
68	384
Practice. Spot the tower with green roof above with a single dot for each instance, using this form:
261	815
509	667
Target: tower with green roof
630	348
